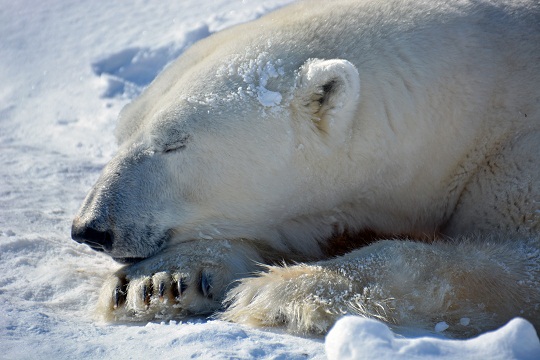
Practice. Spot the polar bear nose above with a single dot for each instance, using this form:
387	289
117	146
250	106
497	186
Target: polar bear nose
96	239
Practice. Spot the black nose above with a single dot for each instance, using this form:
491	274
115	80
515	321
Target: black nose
97	240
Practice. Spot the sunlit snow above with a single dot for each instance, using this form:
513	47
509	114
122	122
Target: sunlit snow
66	70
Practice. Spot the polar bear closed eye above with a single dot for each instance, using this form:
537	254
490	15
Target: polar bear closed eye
410	127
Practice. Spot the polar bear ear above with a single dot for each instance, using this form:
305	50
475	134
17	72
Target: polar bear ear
327	92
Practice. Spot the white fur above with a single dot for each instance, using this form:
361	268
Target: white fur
404	117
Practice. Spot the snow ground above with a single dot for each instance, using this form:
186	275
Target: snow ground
66	69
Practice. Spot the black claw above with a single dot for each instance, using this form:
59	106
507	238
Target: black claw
161	290
119	294
206	285
116	297
179	289
182	286
146	293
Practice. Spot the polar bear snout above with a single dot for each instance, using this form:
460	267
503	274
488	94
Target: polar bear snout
106	241
123	214
96	239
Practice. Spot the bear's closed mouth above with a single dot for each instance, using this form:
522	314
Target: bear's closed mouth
128	260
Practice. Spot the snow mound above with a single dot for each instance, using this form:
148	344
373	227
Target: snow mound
66	69
359	338
128	71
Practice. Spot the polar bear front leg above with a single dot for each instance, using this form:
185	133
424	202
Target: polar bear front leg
473	285
188	279
303	298
309	298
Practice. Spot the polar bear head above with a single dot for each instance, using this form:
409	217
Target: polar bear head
228	148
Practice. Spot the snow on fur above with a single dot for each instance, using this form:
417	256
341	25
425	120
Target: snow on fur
62	88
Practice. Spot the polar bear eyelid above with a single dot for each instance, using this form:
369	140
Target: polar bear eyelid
173	147
176	143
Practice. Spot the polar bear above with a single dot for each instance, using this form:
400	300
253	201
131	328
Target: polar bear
370	157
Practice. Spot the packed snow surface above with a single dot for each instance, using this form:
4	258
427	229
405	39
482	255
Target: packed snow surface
66	69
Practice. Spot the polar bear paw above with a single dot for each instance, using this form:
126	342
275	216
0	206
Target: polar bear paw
304	298
126	296
190	279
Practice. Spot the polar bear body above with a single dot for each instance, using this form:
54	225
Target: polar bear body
410	119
